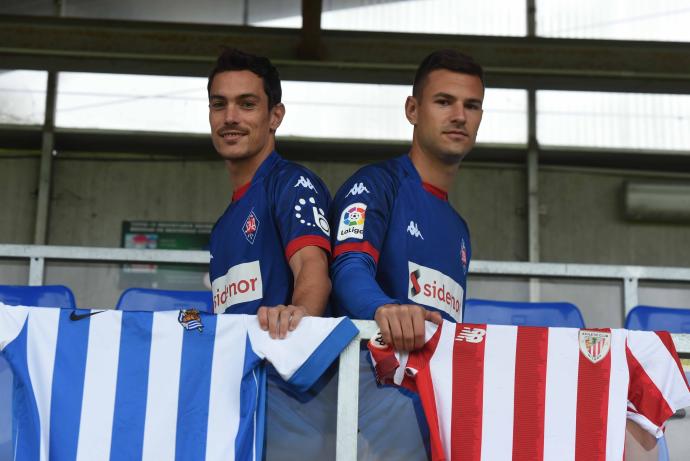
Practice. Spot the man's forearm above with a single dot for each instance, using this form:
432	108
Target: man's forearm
312	288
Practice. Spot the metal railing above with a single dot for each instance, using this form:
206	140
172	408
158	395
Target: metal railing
348	378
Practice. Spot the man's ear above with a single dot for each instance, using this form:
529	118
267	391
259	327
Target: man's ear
277	114
411	106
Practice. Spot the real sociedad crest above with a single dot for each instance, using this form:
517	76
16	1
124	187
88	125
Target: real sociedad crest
595	345
190	320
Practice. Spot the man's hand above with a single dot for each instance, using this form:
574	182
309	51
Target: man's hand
278	320
402	325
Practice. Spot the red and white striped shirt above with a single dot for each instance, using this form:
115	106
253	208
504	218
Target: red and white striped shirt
495	392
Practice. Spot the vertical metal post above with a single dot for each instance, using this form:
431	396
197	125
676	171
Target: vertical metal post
348	403
36	271
531	18
532	168
310	46
630	299
532	192
46	167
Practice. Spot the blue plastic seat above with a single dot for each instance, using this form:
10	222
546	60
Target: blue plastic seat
149	299
43	296
557	314
658	319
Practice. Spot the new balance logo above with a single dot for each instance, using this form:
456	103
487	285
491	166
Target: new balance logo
471	335
413	230
358	188
306	183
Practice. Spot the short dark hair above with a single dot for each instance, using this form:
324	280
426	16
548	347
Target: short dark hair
445	59
234	59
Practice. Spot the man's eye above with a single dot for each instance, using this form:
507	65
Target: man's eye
443	102
217	105
248	105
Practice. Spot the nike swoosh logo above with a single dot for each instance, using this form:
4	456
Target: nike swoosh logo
75	316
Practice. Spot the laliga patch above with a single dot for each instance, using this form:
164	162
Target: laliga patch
463	256
595	345
351	224
190	320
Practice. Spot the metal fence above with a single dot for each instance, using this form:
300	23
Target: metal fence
348	378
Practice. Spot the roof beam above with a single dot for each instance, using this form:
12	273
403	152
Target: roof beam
89	45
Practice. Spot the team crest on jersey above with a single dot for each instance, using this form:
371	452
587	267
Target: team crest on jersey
471	335
352	222
250	227
463	256
595	345
317	217
190	320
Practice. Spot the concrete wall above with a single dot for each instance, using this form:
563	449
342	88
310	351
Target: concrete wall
582	222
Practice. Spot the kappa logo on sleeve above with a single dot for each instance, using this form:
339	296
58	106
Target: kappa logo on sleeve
306	183
317	218
358	188
351	223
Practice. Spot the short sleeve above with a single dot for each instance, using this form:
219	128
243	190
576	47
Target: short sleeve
361	211
303	356
301	206
12	320
658	387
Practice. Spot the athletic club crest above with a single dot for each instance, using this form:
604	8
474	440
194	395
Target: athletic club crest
250	227
463	256
595	345
190	320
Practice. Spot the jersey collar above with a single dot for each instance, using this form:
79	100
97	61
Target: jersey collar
408	166
263	169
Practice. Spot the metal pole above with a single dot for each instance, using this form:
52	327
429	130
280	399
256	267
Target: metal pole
630	299
45	172
532	193
532	169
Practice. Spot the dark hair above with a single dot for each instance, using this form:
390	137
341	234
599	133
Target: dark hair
445	59
234	59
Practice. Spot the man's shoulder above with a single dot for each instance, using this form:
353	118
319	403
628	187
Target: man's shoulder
381	175
287	171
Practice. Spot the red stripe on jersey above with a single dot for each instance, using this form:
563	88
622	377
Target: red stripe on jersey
667	341
240	191
437	191
530	393
644	394
592	407
468	394
298	243
364	247
425	387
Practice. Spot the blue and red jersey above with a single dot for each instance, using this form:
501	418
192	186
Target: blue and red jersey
391	227
282	210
